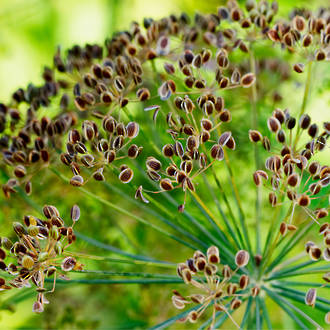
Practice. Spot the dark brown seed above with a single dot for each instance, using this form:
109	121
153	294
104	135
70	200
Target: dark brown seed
293	179
248	80
299	67
273	124
272	198
217	152
243	282
126	175
166	184
225	116
255	136
304	200
132	129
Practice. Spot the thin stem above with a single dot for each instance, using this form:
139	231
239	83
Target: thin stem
254	124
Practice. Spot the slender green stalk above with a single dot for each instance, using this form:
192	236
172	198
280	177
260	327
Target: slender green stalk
247	312
277	299
254	125
265	313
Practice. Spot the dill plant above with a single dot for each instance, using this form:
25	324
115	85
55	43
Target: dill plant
157	117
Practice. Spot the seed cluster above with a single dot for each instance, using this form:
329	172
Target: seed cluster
38	253
293	172
220	286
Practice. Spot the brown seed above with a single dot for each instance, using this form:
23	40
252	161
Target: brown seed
126	175
217	152
299	23
315	252
213	255
244	281
242	258
283	228
225	116
304	200
320	55
132	129
77	181
307	40
248	80
273	124
299	67
166	184
255	136
235	303
304	121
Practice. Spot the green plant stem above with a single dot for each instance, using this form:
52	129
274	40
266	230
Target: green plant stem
254	124
279	301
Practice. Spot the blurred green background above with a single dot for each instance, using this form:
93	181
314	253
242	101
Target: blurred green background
30	31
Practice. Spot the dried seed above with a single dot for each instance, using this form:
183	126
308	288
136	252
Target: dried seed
217	152
283	228
139	195
235	303
77	181
132	129
242	258
166	184
255	136
248	80
126	175
213	255
244	281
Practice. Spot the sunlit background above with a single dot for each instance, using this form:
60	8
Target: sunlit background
30	32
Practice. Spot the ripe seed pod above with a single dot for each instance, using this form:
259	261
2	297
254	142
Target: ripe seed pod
314	252
126	175
166	184
255	136
213	255
217	152
226	272
235	303
77	181
248	80
299	67
273	124
242	258
244	281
